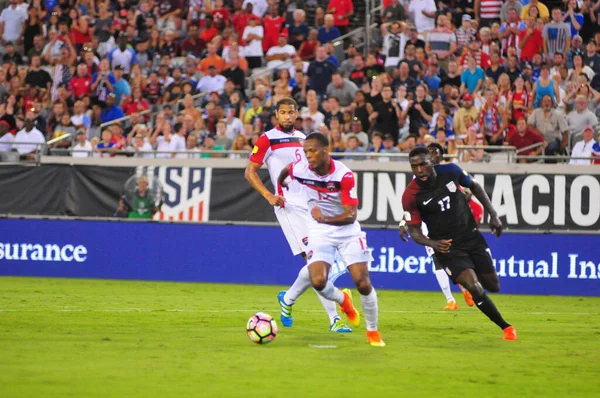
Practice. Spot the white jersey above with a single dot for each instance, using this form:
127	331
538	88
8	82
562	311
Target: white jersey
330	193
278	149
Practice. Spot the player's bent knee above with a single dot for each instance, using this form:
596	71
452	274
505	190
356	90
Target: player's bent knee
364	286
476	289
318	282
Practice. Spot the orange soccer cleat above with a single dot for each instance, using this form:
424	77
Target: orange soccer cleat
468	297
451	306
375	339
510	333
348	308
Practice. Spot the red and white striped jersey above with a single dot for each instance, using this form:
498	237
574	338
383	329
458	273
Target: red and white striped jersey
278	149
490	9
330	192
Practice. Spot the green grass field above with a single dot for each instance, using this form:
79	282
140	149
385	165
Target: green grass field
96	338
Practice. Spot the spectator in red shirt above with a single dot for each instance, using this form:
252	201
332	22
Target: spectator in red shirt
342	10
209	31
483	59
220	14
81	84
530	41
273	24
524	137
239	21
193	44
136	103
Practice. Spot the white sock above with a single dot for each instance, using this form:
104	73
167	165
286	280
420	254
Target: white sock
369	304
444	283
300	285
330	307
332	293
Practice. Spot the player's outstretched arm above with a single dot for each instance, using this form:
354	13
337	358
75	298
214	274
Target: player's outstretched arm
483	197
346	218
442	246
253	178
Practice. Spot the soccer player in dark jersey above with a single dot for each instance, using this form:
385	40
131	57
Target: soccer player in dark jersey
437	156
434	197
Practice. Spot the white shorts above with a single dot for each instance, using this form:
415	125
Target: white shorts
294	224
352	249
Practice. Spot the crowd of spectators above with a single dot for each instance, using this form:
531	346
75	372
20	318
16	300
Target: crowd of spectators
478	73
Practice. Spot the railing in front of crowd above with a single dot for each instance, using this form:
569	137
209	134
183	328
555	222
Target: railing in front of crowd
370	24
14	156
519	151
122	119
490	154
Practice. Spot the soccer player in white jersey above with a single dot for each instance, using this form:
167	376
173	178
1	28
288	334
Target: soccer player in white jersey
331	194
278	148
437	155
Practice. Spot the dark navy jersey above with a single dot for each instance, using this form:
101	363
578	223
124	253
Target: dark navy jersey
442	206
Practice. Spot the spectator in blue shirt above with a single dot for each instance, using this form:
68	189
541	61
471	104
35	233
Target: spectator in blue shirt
432	79
121	85
112	111
328	32
298	31
319	72
472	78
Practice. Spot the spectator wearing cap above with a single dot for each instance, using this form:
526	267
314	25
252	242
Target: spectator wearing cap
121	86
112	110
80	118
280	56
389	146
259	7
583	148
467	109
531	40
253	36
212	81
28	139
341	10
273	26
122	55
552	124
465	33
328	32
472	78
343	89
580	117
12	19
298	31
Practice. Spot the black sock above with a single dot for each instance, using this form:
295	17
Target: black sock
487	306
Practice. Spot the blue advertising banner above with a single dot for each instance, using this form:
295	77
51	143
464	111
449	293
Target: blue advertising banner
527	264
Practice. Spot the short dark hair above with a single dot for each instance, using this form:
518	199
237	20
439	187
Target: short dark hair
320	138
286	101
438	146
421	150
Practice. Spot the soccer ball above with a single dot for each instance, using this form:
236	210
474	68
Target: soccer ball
261	328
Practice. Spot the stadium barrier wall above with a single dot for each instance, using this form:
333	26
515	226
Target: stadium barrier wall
526	263
527	197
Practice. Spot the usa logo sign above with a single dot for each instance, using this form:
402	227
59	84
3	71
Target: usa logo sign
186	190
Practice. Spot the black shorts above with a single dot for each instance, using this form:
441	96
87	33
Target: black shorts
473	254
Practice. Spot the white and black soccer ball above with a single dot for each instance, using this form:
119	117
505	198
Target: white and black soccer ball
261	328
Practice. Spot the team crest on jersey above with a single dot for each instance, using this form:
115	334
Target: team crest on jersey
305	240
451	186
331	186
309	255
